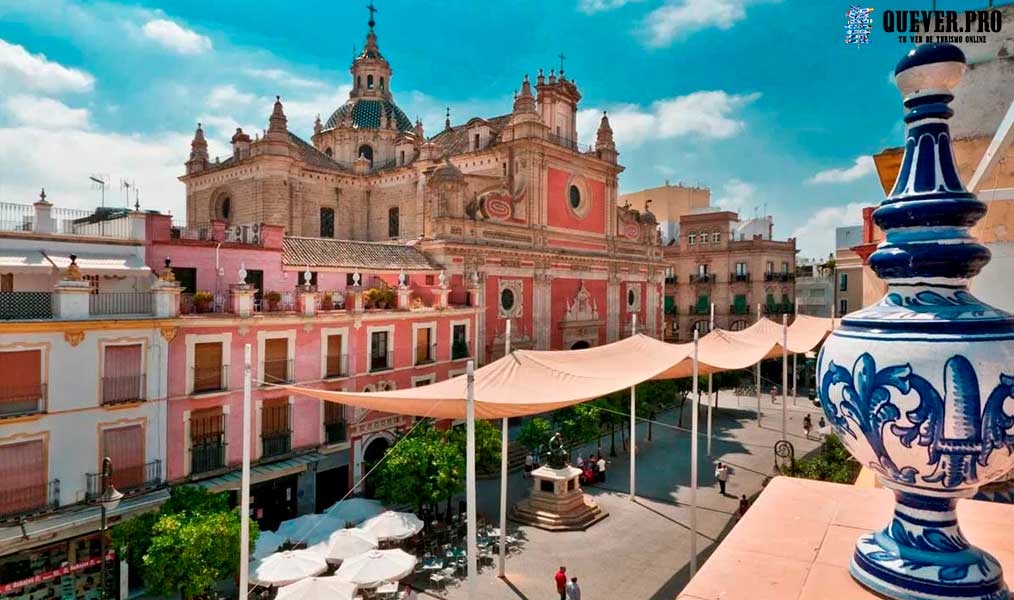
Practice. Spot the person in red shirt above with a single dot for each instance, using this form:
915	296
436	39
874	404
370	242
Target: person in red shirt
561	582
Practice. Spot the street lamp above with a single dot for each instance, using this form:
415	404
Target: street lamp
108	501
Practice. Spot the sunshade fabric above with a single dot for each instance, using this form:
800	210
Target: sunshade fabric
283	568
318	588
531	382
102	264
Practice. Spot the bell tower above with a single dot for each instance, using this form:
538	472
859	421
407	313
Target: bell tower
371	73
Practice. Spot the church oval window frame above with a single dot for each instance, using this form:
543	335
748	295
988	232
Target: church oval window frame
633	298
513	291
221	206
507	299
577	185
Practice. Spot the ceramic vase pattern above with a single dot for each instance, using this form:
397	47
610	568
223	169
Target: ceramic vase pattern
920	386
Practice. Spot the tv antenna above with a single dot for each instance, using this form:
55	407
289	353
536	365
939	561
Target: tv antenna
126	187
100	180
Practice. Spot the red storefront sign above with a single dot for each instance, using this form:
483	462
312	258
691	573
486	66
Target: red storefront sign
38	578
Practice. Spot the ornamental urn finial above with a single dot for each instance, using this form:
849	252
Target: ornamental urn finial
916	384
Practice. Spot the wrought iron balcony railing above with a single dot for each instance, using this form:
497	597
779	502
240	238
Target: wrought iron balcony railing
207	455
131	479
739	278
382	362
21	399
123	389
120	303
20	501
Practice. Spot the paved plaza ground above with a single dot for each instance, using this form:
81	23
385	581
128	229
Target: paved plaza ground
642	550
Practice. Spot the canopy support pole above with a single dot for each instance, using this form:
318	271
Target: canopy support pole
244	486
795	365
785	376
472	529
633	424
758	377
711	399
502	568
693	470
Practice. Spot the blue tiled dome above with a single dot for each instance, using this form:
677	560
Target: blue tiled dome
369	114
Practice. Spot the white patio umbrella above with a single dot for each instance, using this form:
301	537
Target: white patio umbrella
267	543
375	567
346	543
283	568
309	529
318	588
355	510
391	525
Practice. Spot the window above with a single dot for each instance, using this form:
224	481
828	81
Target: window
381	83
785	267
327	222
631	298
277	366
350	279
329	153
392	222
786	303
209	372
122	376
223	208
401	158
22	390
335	423
125	447
7	282
843	281
741	269
187	278
475	142
207	440
380	357
424	346
359	81
716	238
276	427
366	151
739	325
691	239
335	363
369	82
505	169
703	305
843	307
24	471
771	266
739	304
702	270
575	197
507	299
770	302
459	342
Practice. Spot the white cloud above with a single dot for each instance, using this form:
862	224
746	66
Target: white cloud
816	236
22	70
175	37
737	196
709	114
44	113
284	78
594	6
862	167
153	161
228	96
679	18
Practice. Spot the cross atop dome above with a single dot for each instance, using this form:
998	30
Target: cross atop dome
372	10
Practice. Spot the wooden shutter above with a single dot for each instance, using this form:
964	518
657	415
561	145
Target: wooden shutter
276	364
334	355
125	447
422	345
275	416
20	381
122	378
23	471
208	366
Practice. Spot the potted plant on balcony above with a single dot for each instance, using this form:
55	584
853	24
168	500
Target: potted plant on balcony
327	302
273	298
379	297
203	300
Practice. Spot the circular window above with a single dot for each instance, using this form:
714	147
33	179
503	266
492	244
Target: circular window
575	197
223	208
507	299
631	298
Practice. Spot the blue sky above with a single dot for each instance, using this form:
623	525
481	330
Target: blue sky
760	100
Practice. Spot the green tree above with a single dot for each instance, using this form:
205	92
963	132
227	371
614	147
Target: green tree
190	552
487	445
424	468
535	433
577	424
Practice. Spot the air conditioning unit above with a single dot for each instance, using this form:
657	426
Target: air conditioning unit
244	234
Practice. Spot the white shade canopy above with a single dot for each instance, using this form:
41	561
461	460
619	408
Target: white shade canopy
318	588
391	525
267	543
355	510
283	568
376	567
310	529
346	543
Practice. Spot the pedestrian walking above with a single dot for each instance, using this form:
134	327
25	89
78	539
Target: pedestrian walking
529	464
579	462
774	395
602	469
807	426
722	475
561	582
744	504
573	590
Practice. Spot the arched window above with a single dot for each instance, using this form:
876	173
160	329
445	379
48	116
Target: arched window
401	158
369	82
223	208
329	153
392	222
366	151
381	84
327	222
739	325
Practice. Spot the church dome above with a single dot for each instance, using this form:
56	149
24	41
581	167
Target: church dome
369	114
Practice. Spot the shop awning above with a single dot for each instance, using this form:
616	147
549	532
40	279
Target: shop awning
24	261
129	265
260	473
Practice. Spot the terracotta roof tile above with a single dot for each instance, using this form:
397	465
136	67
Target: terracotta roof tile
455	140
366	256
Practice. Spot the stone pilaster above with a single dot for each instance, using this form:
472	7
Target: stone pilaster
542	317
477	290
651	303
70	299
612	308
165	298
242	299
308	302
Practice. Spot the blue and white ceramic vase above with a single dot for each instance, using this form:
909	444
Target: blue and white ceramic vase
920	386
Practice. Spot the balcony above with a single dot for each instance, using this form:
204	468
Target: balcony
336	365
207	455
129	480
34	499
672	310
568	143
279	370
19	306
703	278
696	309
781	308
120	303
426	354
670	280
276	444
123	389
739	278
19	399
188	306
381	362
738	309
770	276
276	430
210	379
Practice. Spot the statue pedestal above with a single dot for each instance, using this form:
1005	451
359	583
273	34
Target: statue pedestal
557	503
